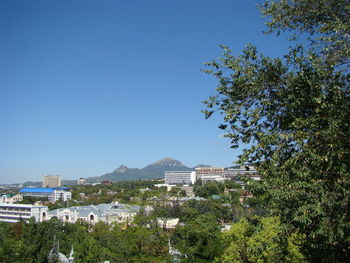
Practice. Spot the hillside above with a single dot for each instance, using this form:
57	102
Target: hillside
124	173
152	171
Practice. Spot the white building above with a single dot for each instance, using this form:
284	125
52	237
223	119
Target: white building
10	198
167	223
60	195
15	212
180	177
107	213
81	181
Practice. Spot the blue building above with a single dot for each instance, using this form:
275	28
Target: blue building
53	194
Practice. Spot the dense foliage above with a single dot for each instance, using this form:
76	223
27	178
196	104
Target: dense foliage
33	242
294	115
198	237
260	240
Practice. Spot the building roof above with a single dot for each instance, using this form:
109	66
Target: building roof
42	189
23	205
100	210
216	197
36	190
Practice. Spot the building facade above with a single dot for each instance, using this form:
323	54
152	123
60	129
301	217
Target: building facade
107	213
60	195
12	213
248	171
210	170
106	182
180	177
53	194
210	173
10	198
81	181
51	181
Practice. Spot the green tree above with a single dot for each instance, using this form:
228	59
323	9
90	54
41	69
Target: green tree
261	241
11	242
293	113
192	209
198	240
326	22
209	189
138	244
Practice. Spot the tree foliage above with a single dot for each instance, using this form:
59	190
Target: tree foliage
263	240
199	239
33	242
326	22
293	113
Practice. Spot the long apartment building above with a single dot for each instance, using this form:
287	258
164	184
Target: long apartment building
53	194
210	173
249	171
107	213
12	213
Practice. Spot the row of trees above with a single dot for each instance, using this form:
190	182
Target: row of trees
200	239
32	242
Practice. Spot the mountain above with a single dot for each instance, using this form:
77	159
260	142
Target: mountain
152	171
30	183
167	162
123	173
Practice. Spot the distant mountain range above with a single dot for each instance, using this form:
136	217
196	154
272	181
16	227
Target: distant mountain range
124	173
152	171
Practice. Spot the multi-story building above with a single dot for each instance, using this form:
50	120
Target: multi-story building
15	212
61	195
53	194
210	173
210	170
248	171
51	181
234	173
180	177
81	181
107	182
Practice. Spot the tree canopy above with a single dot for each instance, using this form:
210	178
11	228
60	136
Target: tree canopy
293	115
326	22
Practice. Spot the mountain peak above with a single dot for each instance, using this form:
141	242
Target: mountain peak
167	162
121	169
202	165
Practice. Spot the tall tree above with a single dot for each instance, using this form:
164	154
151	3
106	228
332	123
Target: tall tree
326	22
260	241
198	240
293	113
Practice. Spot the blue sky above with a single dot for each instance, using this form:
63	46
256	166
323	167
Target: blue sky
86	86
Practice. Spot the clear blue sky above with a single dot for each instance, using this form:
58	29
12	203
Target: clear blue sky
86	86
